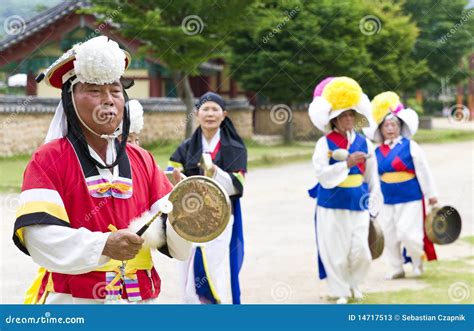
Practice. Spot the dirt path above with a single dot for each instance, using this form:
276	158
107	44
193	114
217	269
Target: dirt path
280	260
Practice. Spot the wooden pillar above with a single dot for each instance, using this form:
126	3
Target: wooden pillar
31	85
419	96
233	89
156	85
460	94
205	83
218	82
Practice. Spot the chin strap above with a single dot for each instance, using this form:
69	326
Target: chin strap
109	137
348	135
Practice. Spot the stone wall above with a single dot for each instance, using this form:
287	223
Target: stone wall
24	121
171	125
271	120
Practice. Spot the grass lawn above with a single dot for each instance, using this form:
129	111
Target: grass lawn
12	168
469	239
11	172
258	155
443	136
448	282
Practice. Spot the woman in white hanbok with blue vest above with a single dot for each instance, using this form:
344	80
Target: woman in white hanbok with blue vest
346	170
405	181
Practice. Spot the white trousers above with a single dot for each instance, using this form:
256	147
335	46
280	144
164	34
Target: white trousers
402	225
344	248
218	263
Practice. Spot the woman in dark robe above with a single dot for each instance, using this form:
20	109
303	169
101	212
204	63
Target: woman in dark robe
213	268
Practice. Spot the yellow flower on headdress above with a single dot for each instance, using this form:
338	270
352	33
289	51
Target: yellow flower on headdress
382	104
342	93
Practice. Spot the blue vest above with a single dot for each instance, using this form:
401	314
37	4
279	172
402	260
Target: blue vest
397	173
351	198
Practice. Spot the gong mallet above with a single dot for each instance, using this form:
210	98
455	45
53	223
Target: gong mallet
165	208
206	164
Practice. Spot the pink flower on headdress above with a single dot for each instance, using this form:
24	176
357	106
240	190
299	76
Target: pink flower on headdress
399	107
318	90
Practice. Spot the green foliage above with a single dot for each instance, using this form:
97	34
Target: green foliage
446	35
181	34
432	106
284	56
414	104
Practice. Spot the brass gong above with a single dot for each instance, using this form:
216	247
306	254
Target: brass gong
443	225
201	209
376	239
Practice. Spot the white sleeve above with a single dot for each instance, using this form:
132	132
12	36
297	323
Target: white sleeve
422	171
224	179
329	176
178	247
66	250
371	177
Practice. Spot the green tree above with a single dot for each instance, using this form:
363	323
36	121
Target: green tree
182	34
296	44
445	36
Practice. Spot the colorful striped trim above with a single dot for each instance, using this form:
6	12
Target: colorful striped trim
113	292
208	275
173	164
41	194
33	219
50	208
38	206
101	188
240	175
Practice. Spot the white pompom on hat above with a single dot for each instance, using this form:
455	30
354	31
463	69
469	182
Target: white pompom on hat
386	105
97	61
333	96
136	116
